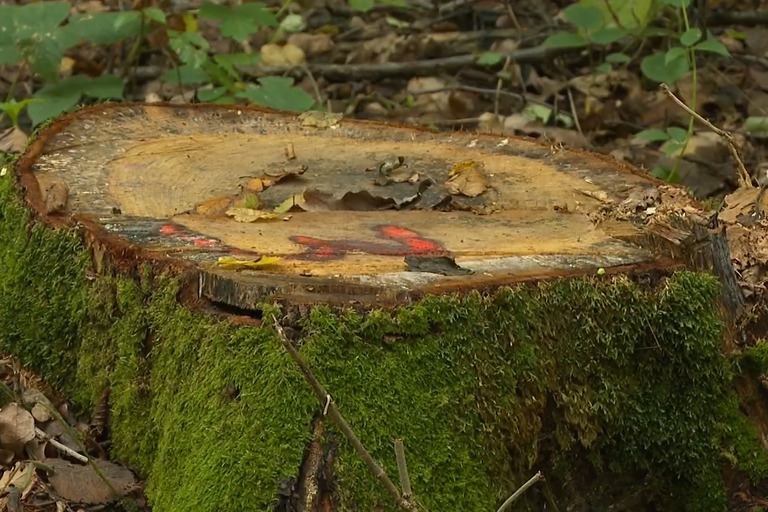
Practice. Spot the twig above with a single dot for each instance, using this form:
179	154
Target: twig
744	178
573	111
402	469
335	415
419	67
535	478
66	449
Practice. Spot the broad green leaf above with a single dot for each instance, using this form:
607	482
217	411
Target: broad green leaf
361	5
230	60
104	27
632	15
154	14
104	87
678	52
490	59
654	135
757	126
566	40
56	99
191	47
9	54
279	93
186	75
39	18
605	67
206	95
242	21
583	16
7	29
617	58
607	35
678	134
690	36
673	147
43	56
13	108
677	3
713	46
655	68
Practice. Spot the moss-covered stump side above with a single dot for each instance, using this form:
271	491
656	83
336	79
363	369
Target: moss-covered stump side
619	395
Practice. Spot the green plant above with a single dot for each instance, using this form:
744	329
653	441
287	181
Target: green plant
36	37
601	23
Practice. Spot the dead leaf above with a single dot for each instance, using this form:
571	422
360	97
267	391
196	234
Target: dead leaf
257	184
312	44
250	215
56	196
230	263
287	55
81	484
467	178
17	427
319	119
13	140
739	203
214	206
278	175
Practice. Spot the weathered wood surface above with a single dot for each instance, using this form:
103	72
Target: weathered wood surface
154	181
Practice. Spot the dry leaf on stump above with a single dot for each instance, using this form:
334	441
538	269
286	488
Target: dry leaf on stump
467	178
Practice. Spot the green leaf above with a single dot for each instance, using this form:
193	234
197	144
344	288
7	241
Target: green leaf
607	35
583	16
617	58
653	135
13	108
690	36
655	68
566	40
678	134
679	4
242	21
44	56
39	18
279	93
605	67
668	175
678	52
192	48
713	46
154	14
104	87
361	5
206	95
632	15
293	23
490	59
56	99
228	62
9	54
185	75
757	126
673	147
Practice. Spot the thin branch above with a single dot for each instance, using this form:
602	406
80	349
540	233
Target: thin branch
66	449
414	68
744	178
335	415
535	478
402	469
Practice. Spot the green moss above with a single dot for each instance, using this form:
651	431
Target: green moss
619	395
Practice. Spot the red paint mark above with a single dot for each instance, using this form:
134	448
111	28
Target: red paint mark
169	229
402	242
205	243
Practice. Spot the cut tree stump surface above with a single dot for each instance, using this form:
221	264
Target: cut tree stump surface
369	201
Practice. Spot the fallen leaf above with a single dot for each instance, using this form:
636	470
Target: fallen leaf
294	200
443	265
17	427
250	215
312	44
257	184
740	202
278	175
319	119
214	206
230	263
13	140
467	178
81	484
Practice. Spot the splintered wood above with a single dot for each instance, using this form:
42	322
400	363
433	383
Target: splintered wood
342	210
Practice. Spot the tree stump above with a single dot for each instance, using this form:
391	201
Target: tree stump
501	305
